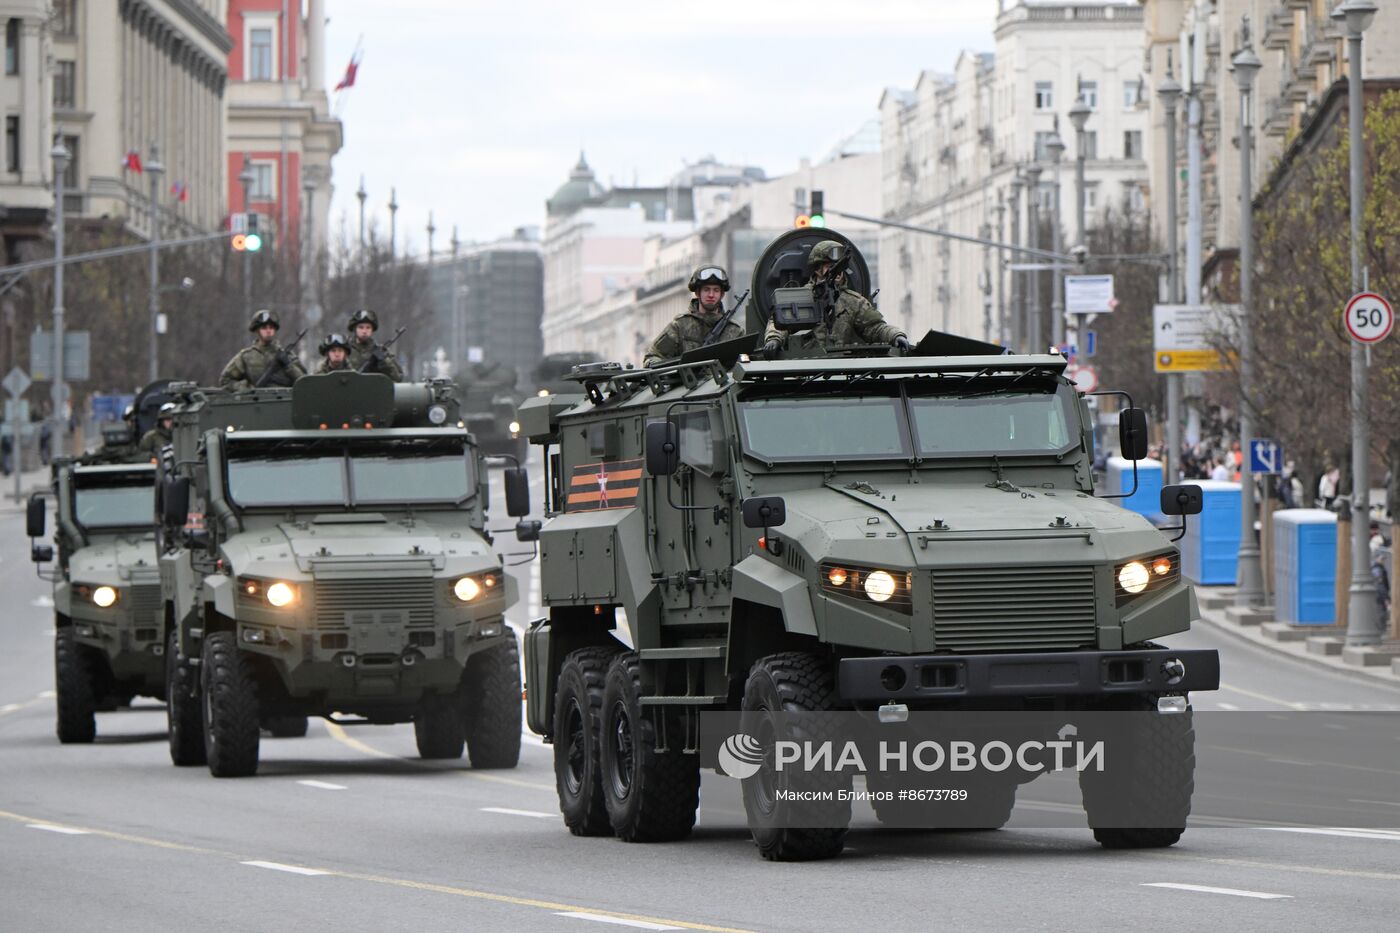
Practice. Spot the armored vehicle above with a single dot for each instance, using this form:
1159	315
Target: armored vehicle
551	375
488	402
109	636
324	553
851	530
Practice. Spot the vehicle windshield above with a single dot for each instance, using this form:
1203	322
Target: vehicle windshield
826	427
123	503
411	471
1029	422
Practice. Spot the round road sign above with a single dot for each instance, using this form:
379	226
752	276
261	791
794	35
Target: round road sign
1369	318
1085	378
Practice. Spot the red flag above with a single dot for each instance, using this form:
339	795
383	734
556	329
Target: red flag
133	160
180	190
350	70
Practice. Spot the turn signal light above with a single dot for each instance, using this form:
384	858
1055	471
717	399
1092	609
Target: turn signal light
1162	566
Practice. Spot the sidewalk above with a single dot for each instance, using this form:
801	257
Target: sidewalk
1319	645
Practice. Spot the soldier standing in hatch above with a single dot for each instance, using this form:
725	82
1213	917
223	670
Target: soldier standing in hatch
854	318
157	437
367	355
336	350
689	331
248	365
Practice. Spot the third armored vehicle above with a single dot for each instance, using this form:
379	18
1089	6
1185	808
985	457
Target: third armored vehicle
845	531
324	553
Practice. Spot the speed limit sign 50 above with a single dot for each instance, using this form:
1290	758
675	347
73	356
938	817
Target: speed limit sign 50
1369	318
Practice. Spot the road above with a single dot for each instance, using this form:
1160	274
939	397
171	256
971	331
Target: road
346	830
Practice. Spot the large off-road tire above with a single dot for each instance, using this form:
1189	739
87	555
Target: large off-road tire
492	708
182	707
438	726
1143	796
792	682
988	806
230	700
651	794
287	726
578	705
75	684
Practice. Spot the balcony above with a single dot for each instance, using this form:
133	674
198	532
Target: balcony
1278	116
1278	30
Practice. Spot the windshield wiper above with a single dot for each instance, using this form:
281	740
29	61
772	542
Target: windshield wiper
1001	389
1002	483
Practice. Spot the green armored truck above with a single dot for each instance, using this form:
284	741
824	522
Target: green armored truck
848	530
324	554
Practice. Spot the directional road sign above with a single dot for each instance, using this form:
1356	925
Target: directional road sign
1183	337
1091	342
1369	318
17	381
1265	456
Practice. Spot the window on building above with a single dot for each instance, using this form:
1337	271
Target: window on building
12	144
1042	146
70	171
1089	91
260	55
65	17
1045	95
1132	144
1091	197
261	189
65	85
1091	144
12	47
1134	201
1131	94
1045	197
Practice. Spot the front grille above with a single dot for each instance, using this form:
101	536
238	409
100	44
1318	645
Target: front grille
1013	608
145	600
340	603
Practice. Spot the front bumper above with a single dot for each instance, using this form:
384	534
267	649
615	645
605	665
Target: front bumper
1061	673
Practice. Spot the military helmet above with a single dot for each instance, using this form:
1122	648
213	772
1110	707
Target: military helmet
826	251
334	340
708	275
363	316
264	317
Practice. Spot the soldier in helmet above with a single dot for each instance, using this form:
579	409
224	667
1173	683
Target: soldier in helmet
157	437
690	330
853	319
366	354
248	365
336	352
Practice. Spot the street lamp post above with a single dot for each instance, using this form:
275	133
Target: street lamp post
1363	617
1056	148
1035	342
155	170
459	336
59	432
1018	281
1249	577
246	178
1001	268
393	222
1078	116
364	270
1169	92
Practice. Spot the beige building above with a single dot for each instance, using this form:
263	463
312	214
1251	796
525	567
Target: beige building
24	91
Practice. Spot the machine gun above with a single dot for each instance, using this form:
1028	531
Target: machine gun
380	353
728	316
281	362
827	290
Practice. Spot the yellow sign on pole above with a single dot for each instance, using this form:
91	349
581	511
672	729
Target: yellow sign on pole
1188	361
1185	338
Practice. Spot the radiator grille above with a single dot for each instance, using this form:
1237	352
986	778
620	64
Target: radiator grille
1013	608
341	602
145	601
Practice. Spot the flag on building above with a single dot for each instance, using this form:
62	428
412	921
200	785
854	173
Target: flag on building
350	71
133	161
180	190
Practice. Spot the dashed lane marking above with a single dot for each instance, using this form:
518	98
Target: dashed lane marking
42	602
16	707
1228	707
1207	889
338	733
637	924
289	869
1280	866
405	883
323	785
512	812
1383	834
1288	704
55	828
47	695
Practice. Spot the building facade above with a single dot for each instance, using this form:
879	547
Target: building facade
24	91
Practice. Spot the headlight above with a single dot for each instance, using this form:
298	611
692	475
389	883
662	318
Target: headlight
437	414
466	589
1133	577
281	594
542	393
104	596
879	586
515	427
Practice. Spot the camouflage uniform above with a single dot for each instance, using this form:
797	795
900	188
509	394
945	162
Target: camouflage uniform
326	367
855	321
248	364
688	332
151	442
360	352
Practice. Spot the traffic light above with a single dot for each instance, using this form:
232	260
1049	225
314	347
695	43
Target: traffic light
816	216
250	241
802	220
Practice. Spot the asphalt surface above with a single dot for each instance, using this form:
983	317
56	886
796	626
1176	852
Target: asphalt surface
346	830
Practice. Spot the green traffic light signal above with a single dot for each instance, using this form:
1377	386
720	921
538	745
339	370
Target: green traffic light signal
252	242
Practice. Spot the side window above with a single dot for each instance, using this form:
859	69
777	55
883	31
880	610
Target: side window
700	444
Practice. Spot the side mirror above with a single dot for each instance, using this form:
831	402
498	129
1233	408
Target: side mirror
517	492
764	512
1182	500
177	502
663	448
35	516
41	553
1132	433
528	530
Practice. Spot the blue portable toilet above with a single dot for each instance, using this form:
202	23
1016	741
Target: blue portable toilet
1212	540
1147	500
1305	566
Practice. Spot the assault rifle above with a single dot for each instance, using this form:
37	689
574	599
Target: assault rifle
280	362
714	334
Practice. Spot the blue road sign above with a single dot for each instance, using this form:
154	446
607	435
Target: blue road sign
1265	456
1091	342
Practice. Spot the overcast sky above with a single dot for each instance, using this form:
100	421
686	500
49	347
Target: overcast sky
477	109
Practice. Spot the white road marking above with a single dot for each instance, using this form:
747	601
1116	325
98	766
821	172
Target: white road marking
1383	803
10	707
51	828
1385	834
1207	889
47	695
323	785
635	924
291	869
43	602
1229	707
509	812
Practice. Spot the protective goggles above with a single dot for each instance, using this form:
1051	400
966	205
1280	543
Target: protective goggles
711	274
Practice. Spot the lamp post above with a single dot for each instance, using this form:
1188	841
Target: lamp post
1249	577
1035	341
59	432
459	337
154	169
1056	148
364	270
1363	617
1018	291
393	222
246	179
1169	92
1078	116
1000	210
